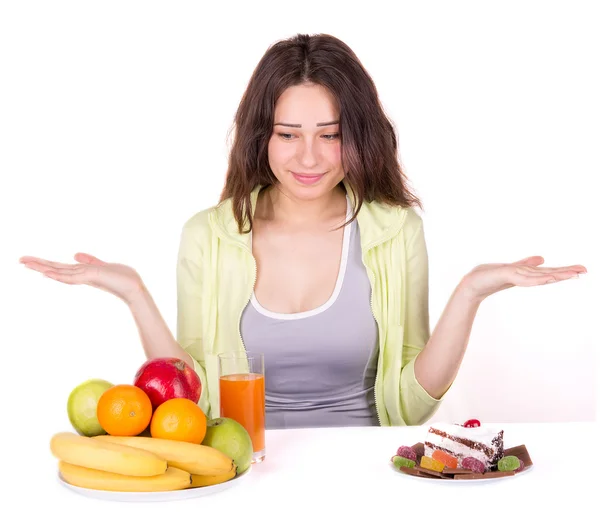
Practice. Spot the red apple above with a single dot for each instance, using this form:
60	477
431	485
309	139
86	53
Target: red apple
168	378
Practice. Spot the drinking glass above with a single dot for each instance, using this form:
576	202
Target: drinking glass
242	394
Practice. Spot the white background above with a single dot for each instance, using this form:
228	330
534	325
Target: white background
113	132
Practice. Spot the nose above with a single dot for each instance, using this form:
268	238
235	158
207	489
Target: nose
308	155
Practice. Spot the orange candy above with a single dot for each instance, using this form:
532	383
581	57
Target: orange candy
429	463
448	460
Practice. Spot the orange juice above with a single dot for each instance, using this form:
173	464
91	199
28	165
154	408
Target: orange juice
243	399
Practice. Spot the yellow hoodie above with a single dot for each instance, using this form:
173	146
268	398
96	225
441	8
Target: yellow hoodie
216	273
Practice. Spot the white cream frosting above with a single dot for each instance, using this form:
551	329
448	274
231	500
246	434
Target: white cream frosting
482	434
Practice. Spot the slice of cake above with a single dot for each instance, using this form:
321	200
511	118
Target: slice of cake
467	440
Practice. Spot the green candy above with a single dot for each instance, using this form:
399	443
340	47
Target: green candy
400	461
508	463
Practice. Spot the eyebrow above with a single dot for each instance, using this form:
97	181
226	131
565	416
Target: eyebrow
300	125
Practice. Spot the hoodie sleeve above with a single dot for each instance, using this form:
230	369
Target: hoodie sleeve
416	404
189	302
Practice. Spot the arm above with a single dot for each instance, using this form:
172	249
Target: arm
125	283
157	339
430	362
437	365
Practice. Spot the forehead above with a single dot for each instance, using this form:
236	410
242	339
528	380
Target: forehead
306	105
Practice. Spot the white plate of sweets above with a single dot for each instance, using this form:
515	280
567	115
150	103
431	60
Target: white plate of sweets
462	476
476	443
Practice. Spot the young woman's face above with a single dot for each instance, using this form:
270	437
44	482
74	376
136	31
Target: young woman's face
305	147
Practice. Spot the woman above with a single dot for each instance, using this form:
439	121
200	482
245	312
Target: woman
315	256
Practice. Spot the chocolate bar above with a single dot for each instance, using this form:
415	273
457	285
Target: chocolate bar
431	472
419	448
456	471
520	451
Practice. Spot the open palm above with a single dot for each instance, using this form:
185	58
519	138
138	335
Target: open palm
115	278
490	278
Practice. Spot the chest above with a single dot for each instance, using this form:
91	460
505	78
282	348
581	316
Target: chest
297	270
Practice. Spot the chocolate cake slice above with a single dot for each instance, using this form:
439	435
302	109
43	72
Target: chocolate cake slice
483	443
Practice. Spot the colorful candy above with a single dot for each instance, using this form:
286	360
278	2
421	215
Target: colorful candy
477	466
448	460
429	463
400	461
407	452
508	463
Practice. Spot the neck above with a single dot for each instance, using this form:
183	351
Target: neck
281	207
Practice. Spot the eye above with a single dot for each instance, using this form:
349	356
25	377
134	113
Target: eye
329	137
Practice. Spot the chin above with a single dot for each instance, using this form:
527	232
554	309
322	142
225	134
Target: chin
308	192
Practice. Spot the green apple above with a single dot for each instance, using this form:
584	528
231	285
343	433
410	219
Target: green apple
82	404
231	438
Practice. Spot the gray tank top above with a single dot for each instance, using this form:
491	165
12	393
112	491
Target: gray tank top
320	365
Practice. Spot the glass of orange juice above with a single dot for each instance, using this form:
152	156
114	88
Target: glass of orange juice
242	394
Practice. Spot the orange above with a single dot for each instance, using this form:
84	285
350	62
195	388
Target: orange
124	410
179	419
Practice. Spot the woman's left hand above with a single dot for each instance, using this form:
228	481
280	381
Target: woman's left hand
488	279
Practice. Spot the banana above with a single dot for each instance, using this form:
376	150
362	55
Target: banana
172	479
194	458
100	455
210	480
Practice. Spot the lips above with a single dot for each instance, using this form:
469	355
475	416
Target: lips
308	178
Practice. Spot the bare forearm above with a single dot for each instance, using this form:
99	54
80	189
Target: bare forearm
157	339
437	365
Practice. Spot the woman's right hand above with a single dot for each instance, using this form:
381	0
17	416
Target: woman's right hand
120	280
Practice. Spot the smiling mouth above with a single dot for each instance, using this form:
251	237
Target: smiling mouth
308	175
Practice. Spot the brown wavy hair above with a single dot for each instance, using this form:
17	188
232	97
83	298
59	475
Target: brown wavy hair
369	148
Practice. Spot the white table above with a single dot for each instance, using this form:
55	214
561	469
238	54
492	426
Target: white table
341	478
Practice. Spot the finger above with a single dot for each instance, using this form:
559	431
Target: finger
45	268
72	269
531	260
571	268
531	279
72	279
579	269
528	271
79	269
28	260
82	257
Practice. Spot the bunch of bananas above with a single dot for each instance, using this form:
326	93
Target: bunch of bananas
137	463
